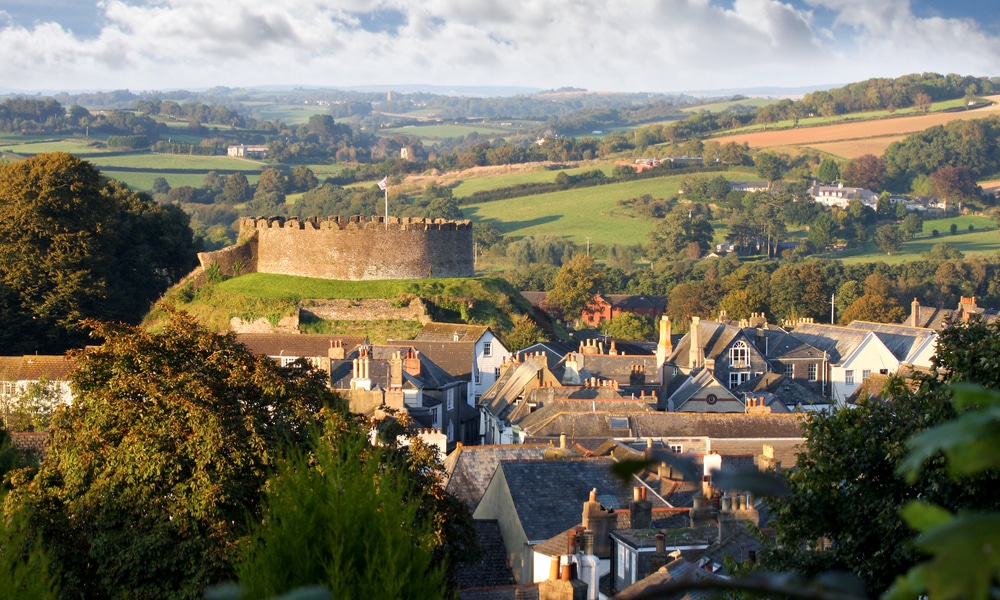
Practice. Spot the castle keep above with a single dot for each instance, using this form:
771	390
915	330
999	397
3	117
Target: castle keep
352	249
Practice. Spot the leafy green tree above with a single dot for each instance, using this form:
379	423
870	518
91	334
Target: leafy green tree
523	333
237	189
25	568
160	186
770	167
676	231
829	171
303	179
799	290
350	517
75	245
889	238
876	304
161	458
31	408
883	207
629	326
271	181
912	223
574	287
823	231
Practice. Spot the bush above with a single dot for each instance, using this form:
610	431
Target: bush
935	233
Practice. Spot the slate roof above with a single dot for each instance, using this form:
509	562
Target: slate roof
777	387
591	431
611	412
501	397
298	344
713	337
491	570
468	469
678	570
456	358
33	367
431	375
622	346
525	591
618	367
836	341
448	332
779	344
901	340
549	495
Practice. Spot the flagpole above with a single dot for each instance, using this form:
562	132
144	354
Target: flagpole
387	207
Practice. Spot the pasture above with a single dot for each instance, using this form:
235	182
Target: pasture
721	106
578	214
153	161
854	148
79	146
437	132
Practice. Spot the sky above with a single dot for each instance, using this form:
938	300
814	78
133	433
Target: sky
599	45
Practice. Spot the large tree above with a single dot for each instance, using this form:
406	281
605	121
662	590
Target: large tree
74	245
676	231
843	510
155	468
575	285
865	171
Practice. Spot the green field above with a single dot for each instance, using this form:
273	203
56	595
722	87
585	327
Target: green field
721	106
71	145
576	214
468	187
149	160
143	180
438	132
287	113
978	242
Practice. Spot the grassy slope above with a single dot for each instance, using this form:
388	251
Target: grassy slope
581	213
480	300
970	244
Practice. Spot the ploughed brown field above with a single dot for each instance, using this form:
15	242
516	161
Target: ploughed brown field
854	139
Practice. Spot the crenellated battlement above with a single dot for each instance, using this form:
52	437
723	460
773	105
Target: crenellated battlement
356	222
354	248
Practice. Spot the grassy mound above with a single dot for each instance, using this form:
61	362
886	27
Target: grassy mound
214	300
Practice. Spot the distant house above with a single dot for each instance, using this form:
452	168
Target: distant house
243	151
19	372
748	186
840	196
604	307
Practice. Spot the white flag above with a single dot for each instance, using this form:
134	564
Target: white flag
384	183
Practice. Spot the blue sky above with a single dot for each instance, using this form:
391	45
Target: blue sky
612	45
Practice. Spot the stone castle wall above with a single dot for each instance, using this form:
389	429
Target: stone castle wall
353	249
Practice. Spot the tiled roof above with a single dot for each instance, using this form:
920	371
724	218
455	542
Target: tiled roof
468	469
713	337
785	390
633	302
500	398
612	413
33	367
451	332
491	570
549	495
779	344
298	344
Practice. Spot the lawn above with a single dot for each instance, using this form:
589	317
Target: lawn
151	161
468	186
576	214
261	285
970	244
71	145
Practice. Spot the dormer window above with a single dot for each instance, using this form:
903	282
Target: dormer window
739	355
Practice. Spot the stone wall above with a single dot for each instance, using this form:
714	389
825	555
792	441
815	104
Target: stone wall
370	309
352	249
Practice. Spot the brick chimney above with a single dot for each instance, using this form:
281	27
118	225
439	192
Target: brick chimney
660	557
336	350
411	364
663	347
394	397
563	587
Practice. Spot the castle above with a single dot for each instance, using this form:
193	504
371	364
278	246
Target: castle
352	249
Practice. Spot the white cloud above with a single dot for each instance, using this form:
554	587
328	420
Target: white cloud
655	45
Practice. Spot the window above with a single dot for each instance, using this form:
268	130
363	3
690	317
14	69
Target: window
790	371
478	377
738	378
739	355
496	373
865	373
619	422
676	448
711	399
487	349
451	399
451	431
812	372
849	377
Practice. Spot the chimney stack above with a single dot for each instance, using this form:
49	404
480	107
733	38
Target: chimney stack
640	509
694	351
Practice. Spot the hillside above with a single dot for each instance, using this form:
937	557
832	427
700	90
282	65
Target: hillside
392	309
